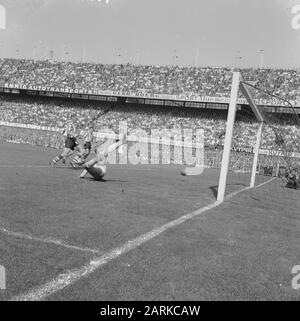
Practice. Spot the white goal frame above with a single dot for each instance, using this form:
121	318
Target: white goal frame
236	87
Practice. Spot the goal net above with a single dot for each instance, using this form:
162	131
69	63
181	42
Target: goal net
261	147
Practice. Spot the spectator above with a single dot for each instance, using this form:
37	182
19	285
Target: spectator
172	80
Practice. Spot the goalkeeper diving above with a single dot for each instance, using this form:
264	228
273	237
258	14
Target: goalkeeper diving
96	167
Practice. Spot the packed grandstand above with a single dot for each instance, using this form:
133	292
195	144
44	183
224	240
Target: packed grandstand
172	80
53	112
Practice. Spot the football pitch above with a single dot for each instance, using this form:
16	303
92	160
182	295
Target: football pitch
145	233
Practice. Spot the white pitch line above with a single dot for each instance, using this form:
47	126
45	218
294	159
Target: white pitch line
236	192
49	241
64	280
67	167
24	166
268	181
247	188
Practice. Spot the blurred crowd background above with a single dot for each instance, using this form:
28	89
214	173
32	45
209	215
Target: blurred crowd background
172	80
280	132
54	113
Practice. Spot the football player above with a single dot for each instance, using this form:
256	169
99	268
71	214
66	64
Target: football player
70	133
96	167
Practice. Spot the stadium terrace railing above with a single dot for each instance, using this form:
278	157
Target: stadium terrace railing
113	95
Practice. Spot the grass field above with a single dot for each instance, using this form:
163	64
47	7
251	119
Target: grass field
131	238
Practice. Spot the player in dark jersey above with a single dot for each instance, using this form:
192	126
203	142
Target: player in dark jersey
70	133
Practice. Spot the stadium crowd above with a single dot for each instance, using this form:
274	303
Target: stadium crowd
55	113
173	80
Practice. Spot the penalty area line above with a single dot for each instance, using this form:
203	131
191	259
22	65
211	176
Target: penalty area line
49	240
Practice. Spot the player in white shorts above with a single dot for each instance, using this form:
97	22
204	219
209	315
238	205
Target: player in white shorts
84	148
96	167
70	133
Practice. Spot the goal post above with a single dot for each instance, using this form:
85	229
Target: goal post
256	153
237	87
228	135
